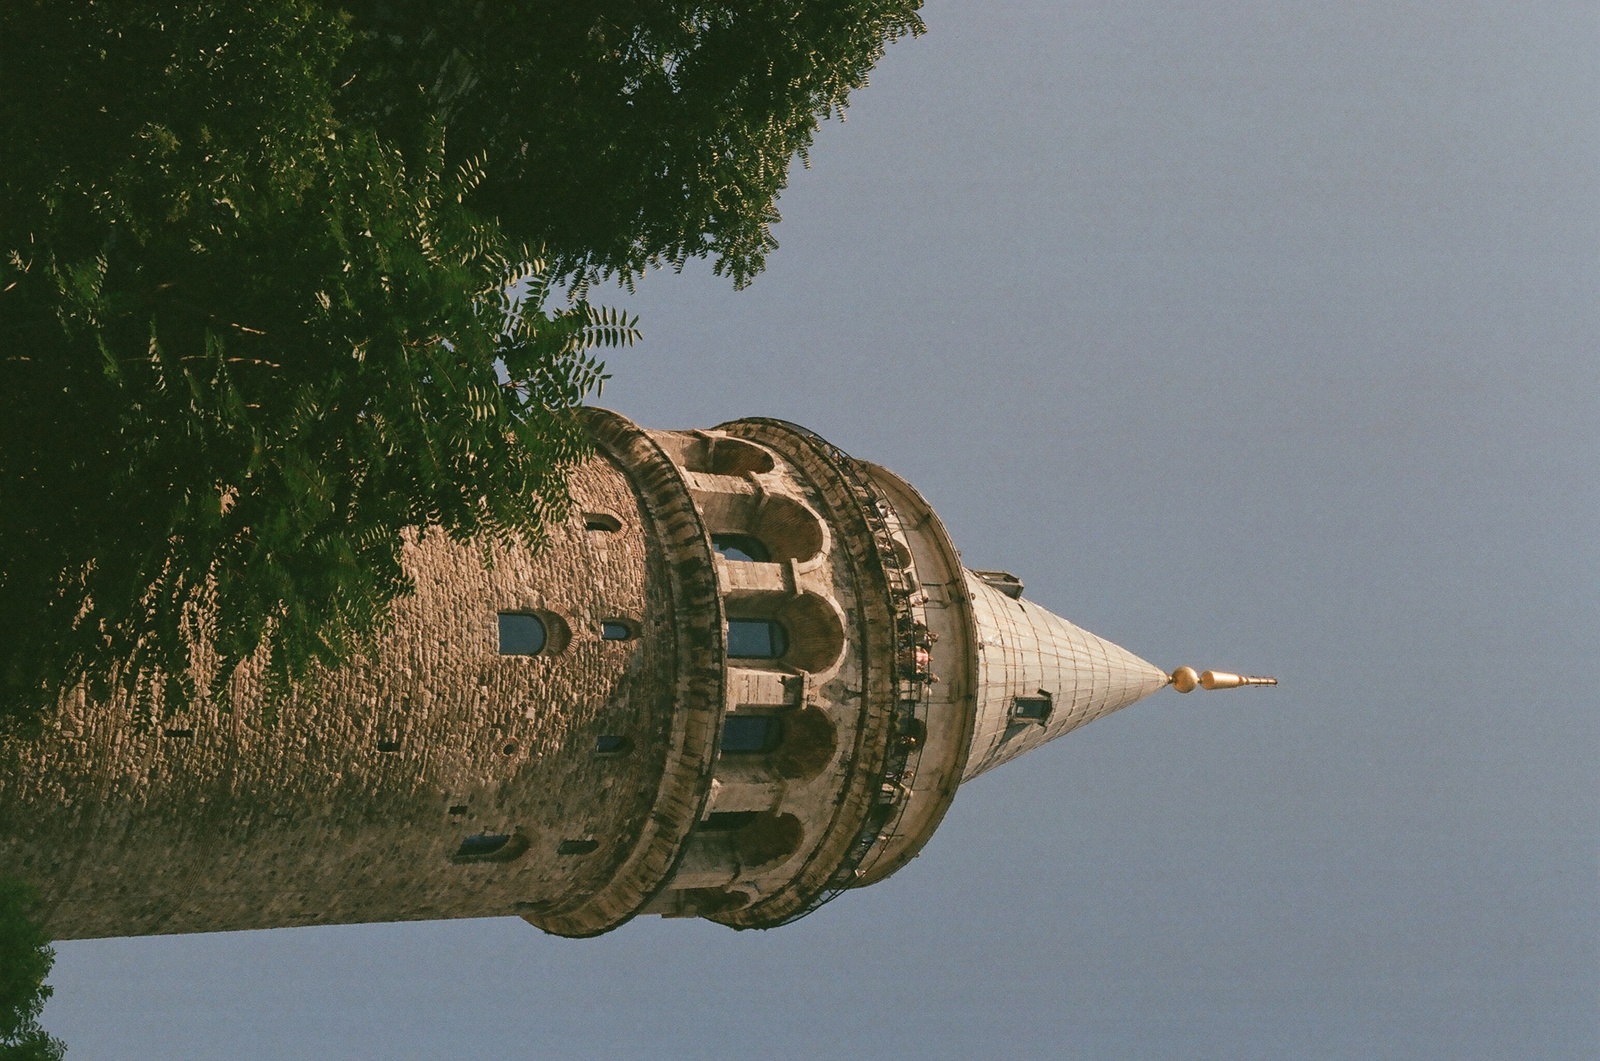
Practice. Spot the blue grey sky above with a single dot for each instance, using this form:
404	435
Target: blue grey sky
1251	336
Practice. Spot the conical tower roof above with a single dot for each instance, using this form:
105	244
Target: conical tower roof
1040	676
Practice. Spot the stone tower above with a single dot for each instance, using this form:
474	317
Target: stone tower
748	672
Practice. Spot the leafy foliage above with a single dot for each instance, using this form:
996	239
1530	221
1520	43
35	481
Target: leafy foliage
283	278
650	131
25	959
245	355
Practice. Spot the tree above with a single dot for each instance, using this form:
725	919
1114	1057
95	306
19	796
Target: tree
25	959
281	279
246	352
648	131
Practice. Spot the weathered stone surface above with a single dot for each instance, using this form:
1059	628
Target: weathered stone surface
295	813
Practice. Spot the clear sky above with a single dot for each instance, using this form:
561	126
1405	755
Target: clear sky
1252	336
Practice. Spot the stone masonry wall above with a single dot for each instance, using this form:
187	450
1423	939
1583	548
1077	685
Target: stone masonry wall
347	802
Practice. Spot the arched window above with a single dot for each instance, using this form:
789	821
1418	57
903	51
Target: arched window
612	744
602	522
576	847
741	547
615	630
522	634
756	639
760	838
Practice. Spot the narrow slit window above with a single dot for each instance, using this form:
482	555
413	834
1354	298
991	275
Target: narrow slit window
744	547
756	639
491	847
576	847
616	630
522	634
612	744
751	734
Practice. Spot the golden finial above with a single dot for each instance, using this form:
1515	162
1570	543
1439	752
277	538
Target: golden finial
1185	680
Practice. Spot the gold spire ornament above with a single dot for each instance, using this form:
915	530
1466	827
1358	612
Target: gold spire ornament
1185	680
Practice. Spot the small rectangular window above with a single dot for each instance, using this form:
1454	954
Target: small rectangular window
756	639
750	734
1031	709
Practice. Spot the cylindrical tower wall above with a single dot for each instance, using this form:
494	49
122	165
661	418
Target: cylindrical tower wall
745	673
452	774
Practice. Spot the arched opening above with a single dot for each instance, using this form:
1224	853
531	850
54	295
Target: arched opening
697	902
522	634
751	638
767	838
790	530
728	845
761	745
576	847
727	821
714	455
706	901
809	741
734	456
785	528
617	630
801	631
601	522
531	633
745	548
752	733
